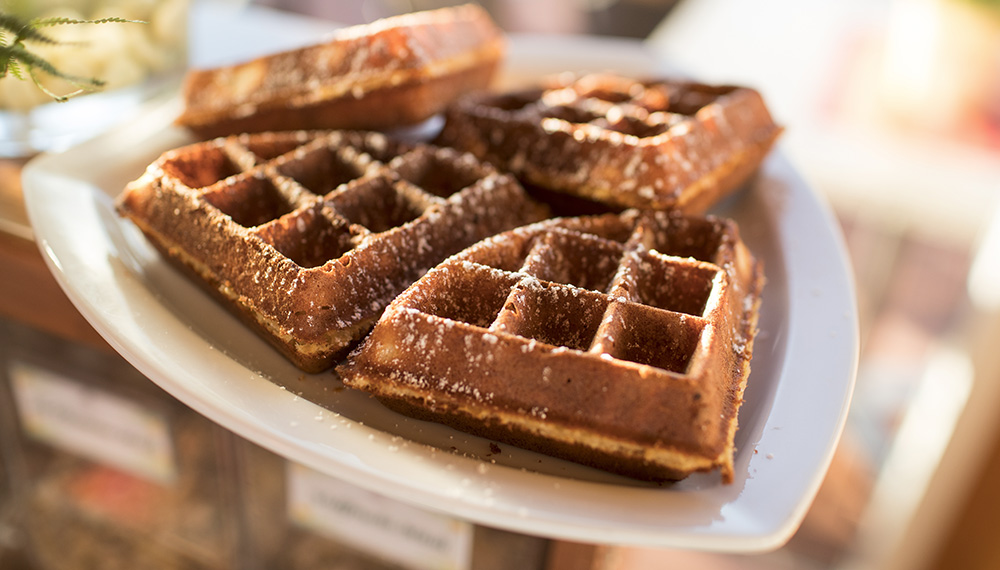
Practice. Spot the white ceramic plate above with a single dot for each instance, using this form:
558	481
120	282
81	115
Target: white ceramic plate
797	399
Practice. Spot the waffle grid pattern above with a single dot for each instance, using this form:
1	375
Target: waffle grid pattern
632	334
601	106
315	202
623	143
589	293
313	233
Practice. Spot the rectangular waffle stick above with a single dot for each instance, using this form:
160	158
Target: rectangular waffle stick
617	341
618	142
390	73
307	236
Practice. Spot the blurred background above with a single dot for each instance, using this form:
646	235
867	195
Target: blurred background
892	111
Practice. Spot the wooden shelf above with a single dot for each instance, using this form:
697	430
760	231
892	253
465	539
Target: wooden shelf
28	292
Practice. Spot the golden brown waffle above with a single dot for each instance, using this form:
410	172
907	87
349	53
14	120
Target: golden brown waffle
620	142
617	341
308	235
393	72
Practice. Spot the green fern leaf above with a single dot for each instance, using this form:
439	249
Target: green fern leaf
33	62
17	61
58	21
23	30
14	68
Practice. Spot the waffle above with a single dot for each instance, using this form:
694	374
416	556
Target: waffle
393	72
620	341
619	143
308	235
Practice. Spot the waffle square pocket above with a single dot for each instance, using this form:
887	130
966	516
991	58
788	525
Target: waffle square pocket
620	341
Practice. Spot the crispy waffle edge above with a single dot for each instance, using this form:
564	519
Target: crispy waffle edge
390	73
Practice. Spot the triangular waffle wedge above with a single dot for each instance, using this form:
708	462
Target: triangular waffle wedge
620	341
390	73
619	142
308	235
